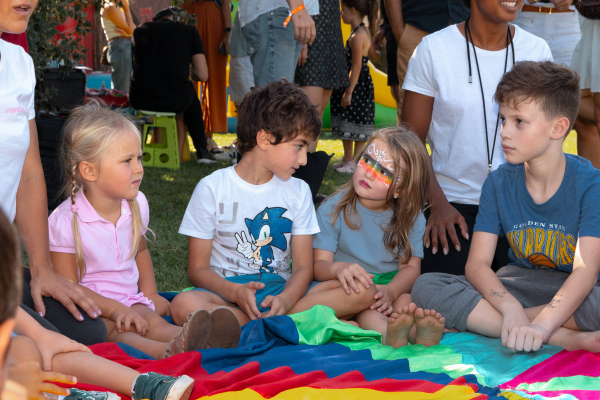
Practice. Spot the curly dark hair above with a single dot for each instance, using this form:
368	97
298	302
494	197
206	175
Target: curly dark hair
280	108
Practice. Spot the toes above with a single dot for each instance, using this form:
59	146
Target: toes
438	315
412	307
419	313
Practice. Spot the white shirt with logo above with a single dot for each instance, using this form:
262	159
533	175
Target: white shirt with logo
250	225
17	86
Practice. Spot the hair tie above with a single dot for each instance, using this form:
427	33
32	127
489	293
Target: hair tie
74	208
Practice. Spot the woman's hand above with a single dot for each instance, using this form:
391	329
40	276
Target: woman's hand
347	98
127	316
349	273
225	42
384	299
441	220
303	55
378	40
30	375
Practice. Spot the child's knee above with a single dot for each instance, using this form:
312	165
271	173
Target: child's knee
183	304
366	297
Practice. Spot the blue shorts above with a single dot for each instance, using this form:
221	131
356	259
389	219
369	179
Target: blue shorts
274	285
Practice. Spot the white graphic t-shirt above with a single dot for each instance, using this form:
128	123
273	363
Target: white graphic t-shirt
251	225
17	85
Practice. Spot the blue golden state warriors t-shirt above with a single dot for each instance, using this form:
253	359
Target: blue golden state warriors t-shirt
541	235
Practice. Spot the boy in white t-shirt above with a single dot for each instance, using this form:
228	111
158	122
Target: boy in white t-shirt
247	222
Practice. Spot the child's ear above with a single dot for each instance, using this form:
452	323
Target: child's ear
263	139
88	171
561	128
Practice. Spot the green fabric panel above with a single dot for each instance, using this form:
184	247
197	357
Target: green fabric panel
384	279
577	382
319	325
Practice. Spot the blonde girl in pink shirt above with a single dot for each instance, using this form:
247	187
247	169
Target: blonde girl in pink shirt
97	239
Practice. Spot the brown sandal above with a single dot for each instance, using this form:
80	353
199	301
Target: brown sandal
226	331
194	334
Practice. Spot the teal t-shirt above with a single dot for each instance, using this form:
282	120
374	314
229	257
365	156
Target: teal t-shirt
364	246
541	235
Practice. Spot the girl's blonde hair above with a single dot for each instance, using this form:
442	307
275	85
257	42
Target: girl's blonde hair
412	184
88	134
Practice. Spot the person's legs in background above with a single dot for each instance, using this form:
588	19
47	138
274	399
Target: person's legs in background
588	136
319	97
411	37
119	57
192	117
273	50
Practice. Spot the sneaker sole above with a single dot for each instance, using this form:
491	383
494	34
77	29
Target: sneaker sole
206	161
112	396
225	332
181	389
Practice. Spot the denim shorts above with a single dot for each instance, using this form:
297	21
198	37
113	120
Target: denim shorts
273	50
119	58
274	285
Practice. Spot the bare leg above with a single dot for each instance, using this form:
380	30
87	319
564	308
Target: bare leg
395	89
188	302
86	367
348	145
332	295
486	320
588	141
181	134
158	329
151	347
358	147
597	109
319	97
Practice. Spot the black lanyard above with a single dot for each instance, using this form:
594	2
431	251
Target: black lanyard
509	40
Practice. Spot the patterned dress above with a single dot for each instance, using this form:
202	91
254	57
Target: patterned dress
325	63
355	122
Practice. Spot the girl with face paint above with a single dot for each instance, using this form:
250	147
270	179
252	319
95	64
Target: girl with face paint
368	253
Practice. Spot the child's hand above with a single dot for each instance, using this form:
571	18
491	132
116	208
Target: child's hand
278	305
245	298
510	320
384	300
347	98
347	273
51	343
527	338
30	375
378	40
127	316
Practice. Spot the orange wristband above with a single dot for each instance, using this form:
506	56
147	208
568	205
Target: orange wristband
287	20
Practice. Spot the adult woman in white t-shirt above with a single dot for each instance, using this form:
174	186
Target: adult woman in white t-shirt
445	102
22	185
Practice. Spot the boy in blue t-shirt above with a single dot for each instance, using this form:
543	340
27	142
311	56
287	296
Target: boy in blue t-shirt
546	204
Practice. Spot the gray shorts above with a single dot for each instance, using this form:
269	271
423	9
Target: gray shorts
455	298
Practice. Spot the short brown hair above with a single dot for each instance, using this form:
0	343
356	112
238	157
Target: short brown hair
10	270
280	108
554	87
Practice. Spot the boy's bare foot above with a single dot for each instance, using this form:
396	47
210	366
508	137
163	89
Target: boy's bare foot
399	325
430	327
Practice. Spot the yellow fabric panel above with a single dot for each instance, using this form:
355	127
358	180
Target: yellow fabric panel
512	396
450	392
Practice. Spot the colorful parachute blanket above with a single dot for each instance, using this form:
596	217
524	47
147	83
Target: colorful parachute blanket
312	355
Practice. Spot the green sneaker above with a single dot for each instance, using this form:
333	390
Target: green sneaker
154	386
77	394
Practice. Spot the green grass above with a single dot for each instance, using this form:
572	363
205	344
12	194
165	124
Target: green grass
169	192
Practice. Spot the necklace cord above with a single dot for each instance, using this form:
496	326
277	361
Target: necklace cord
509	43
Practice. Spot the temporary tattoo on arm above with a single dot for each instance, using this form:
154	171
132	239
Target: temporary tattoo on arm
555	302
497	294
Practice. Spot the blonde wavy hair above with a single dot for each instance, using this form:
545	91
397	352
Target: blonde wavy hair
88	134
412	184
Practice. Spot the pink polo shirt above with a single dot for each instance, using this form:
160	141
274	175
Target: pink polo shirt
106	248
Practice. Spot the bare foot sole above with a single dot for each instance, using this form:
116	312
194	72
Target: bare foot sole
399	325
430	327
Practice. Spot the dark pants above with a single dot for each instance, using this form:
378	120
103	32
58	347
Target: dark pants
454	263
189	105
59	319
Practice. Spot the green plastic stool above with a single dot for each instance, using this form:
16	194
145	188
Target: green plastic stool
165	154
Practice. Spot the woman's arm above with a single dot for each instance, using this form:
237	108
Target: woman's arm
199	68
32	221
417	112
122	19
394	12
226	13
147	280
